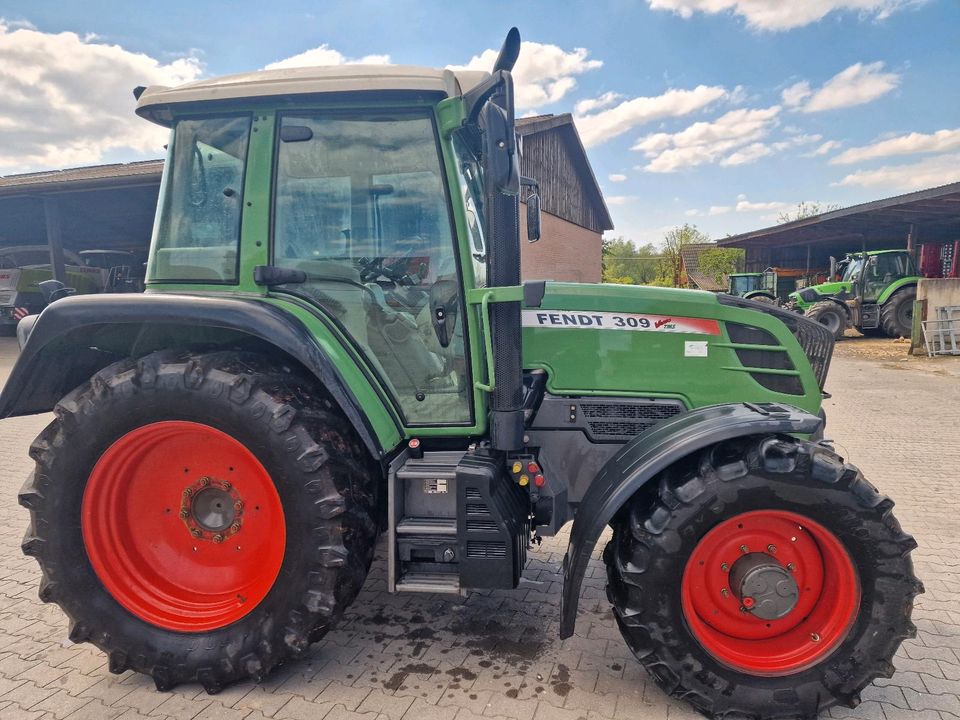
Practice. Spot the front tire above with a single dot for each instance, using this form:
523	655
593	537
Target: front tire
896	315
830	315
200	518
842	580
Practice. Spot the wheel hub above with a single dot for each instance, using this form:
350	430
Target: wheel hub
764	587
211	509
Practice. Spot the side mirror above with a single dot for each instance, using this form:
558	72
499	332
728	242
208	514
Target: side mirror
501	166
833	267
533	208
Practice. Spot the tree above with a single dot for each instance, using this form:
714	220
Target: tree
717	263
626	264
805	210
671	271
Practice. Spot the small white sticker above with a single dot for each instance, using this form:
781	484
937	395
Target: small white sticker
695	348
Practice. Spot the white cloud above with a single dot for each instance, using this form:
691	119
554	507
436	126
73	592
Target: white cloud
692	212
326	55
745	155
745	206
732	138
619	199
543	74
796	93
930	172
910	144
825	148
719	210
782	14
591	104
617	177
67	99
604	125
856	85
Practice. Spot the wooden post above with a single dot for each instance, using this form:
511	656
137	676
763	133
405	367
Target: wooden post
51	210
808	260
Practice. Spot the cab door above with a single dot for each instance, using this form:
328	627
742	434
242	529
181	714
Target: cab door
361	207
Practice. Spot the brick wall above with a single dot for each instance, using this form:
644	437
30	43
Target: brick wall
564	252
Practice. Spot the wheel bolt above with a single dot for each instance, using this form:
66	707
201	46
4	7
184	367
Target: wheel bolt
184	514
772	549
235	528
744	549
218	538
188	492
204	481
724	592
196	532
225	485
238	505
791	567
814	637
724	567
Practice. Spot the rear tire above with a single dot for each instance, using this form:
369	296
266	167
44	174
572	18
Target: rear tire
896	315
830	315
238	406
658	539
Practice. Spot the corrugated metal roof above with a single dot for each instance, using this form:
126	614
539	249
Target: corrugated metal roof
120	173
934	211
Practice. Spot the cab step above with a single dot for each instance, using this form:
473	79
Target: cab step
446	583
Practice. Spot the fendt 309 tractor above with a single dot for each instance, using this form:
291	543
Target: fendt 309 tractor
875	292
335	341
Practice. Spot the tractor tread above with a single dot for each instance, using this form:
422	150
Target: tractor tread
642	563
331	476
890	312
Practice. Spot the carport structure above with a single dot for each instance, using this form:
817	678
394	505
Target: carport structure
107	207
929	216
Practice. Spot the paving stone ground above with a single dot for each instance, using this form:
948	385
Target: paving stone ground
497	654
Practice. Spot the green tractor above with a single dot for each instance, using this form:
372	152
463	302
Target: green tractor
335	343
761	287
875	292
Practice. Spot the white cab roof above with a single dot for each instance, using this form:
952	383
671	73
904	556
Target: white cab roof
307	81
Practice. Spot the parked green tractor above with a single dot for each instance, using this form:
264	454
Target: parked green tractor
335	342
761	287
875	291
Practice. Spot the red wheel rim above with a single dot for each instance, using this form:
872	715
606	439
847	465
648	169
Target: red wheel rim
183	526
721	616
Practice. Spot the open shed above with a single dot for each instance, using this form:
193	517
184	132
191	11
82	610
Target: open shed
929	216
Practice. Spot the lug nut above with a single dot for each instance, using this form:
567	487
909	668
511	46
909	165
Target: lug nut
724	567
724	592
791	567
204	481
238	505
744	549
772	549
196	532
814	637
184	514
218	538
188	492
235	528
225	485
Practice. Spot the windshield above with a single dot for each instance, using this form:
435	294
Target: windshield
740	284
852	271
198	231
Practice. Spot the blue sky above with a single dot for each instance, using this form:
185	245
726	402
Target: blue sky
722	113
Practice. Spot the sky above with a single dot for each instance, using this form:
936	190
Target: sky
720	113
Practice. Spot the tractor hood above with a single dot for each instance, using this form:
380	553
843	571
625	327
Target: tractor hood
690	345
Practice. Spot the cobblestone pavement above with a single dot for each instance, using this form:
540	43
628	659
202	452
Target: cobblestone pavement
497	654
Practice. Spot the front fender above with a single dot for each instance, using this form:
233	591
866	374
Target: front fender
75	337
644	457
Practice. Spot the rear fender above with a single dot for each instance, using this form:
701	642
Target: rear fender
77	336
648	454
896	287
